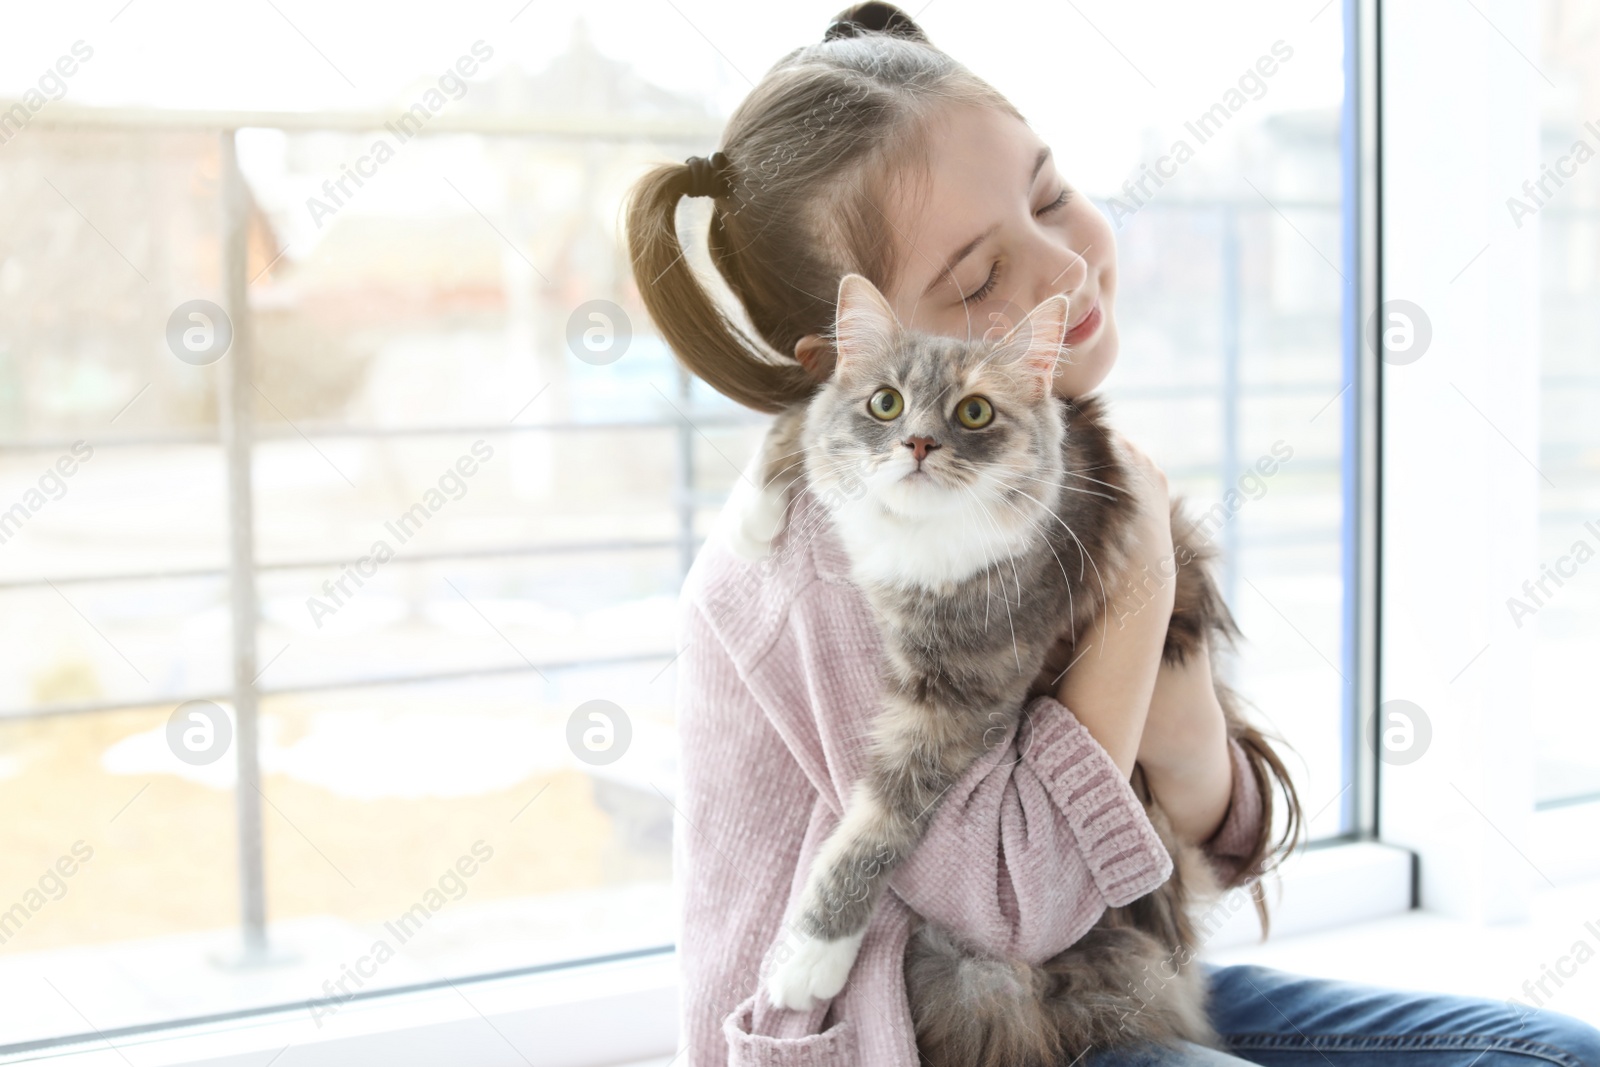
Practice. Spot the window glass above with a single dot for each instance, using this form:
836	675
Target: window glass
476	475
1563	602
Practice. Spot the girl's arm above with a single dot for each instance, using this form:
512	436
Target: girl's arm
1169	717
1113	677
1184	749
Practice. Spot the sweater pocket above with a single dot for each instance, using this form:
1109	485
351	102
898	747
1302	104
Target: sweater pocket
834	1047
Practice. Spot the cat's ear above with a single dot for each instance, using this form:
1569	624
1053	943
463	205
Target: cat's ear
1033	345
864	322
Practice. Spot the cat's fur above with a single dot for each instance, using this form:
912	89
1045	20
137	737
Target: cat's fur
983	568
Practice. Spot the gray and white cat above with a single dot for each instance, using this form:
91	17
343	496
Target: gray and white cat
986	520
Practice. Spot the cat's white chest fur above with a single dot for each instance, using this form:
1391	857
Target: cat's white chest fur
932	552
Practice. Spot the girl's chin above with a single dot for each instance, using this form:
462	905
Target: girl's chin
1080	378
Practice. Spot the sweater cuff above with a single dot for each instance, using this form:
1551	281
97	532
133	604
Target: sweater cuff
1234	839
1124	854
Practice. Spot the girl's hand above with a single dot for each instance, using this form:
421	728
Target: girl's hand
1109	687
1152	574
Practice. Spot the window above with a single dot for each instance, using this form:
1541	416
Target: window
452	526
397	412
1563	601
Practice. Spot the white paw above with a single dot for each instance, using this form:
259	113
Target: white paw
754	510
751	531
816	969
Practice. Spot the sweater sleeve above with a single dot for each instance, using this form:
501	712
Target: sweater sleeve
1028	847
1230	845
1032	844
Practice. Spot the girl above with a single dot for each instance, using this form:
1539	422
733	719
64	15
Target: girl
877	153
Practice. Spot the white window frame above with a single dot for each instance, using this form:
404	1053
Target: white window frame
1460	431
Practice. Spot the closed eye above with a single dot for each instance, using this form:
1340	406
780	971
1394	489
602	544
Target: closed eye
994	270
1058	202
986	288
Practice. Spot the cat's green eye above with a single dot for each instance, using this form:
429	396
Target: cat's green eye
886	404
975	412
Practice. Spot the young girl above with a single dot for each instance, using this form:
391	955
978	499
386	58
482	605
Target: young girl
875	152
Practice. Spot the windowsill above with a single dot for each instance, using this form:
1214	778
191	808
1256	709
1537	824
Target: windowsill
565	1018
1341	912
1425	951
131	990
1429	952
1555	844
1314	890
568	1017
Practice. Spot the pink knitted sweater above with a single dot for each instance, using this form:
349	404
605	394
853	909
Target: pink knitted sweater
777	688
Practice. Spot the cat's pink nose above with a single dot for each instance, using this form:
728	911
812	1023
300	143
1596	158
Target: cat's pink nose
921	446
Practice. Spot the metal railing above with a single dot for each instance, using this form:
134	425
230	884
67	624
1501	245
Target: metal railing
237	435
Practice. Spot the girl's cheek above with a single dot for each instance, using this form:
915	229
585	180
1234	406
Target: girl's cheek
1080	379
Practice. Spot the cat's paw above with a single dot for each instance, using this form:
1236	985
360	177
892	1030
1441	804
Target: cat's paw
751	530
817	970
754	511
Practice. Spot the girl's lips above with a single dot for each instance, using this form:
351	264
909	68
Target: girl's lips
1086	326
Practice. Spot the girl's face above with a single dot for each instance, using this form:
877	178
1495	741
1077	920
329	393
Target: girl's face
996	231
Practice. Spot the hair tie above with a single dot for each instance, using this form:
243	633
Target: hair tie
872	18
708	177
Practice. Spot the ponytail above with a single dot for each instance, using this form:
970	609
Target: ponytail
697	329
806	159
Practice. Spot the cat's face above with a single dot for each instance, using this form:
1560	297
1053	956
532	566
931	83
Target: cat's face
928	426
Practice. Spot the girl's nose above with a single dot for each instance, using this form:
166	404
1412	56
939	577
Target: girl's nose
1070	269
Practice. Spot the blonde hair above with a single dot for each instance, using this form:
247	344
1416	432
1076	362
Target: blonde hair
812	152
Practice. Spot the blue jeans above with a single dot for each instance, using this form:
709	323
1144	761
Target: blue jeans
1269	1017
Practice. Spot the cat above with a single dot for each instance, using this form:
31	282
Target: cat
956	478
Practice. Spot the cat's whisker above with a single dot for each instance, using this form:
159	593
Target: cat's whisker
826	468
1081	549
995	526
1013	560
802	449
801	452
1067	582
812	522
1068	488
1097	481
1063	567
988	590
990	566
811	525
989	559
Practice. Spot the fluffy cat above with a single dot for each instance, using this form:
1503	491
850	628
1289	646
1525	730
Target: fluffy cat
986	521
